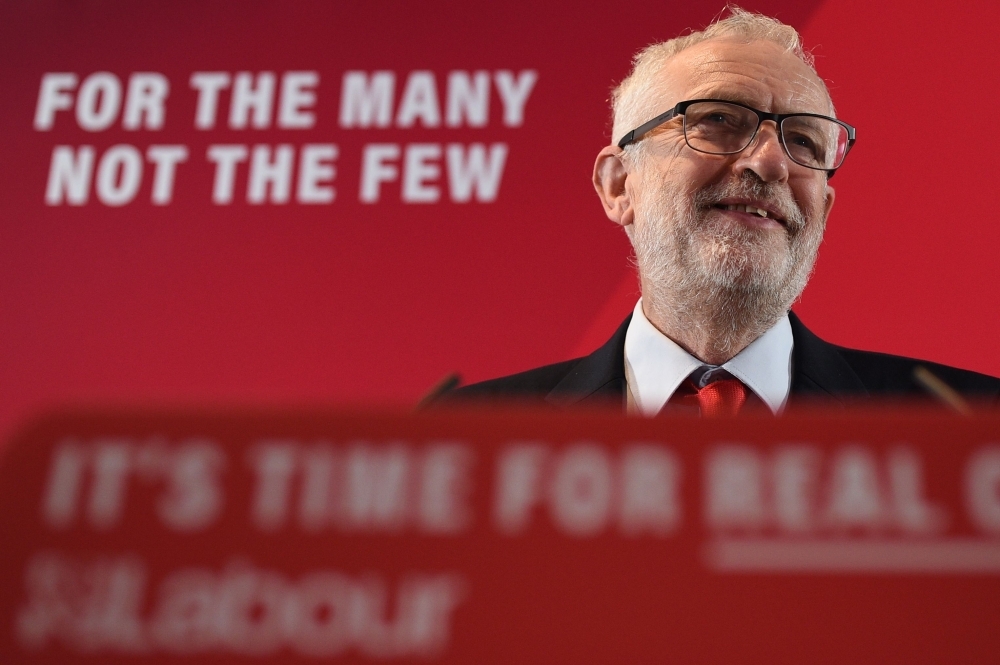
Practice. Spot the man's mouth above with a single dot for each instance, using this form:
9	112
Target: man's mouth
750	210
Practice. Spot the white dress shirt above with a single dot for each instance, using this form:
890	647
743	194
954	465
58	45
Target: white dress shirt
655	365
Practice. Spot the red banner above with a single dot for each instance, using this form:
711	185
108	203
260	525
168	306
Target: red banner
501	537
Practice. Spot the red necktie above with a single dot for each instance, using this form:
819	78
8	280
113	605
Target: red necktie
723	397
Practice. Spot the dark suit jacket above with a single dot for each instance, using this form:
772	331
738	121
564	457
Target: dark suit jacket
820	372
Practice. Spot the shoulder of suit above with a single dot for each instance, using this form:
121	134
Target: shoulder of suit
822	368
537	382
887	372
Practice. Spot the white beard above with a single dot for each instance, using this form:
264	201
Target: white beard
703	271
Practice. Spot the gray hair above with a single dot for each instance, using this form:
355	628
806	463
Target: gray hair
630	99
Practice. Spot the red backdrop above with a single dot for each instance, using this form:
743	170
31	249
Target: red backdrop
348	301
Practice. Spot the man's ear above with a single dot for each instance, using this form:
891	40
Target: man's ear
828	205
609	181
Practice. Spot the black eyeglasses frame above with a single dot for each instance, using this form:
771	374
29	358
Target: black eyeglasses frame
777	118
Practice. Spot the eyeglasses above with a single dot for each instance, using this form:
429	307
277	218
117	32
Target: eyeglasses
718	127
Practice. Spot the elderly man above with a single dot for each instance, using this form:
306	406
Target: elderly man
723	148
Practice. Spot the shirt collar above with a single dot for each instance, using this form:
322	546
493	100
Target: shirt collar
656	365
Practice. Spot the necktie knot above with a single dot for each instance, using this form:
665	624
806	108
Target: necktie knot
724	397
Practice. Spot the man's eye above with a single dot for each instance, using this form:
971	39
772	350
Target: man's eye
805	149
803	142
720	118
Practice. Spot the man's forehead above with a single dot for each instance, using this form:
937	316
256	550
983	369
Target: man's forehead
759	73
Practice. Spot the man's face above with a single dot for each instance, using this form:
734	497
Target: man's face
691	228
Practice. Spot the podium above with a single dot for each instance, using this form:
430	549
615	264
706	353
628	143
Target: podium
500	536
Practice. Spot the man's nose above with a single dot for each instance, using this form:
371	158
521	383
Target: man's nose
764	156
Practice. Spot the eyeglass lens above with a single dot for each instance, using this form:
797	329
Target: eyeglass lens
720	128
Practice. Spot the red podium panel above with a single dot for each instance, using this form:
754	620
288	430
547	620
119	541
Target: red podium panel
501	537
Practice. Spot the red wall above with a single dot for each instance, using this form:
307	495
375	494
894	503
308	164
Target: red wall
354	302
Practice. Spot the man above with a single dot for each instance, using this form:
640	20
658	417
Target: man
723	147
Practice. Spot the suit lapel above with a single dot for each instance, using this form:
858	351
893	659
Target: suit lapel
819	370
597	378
